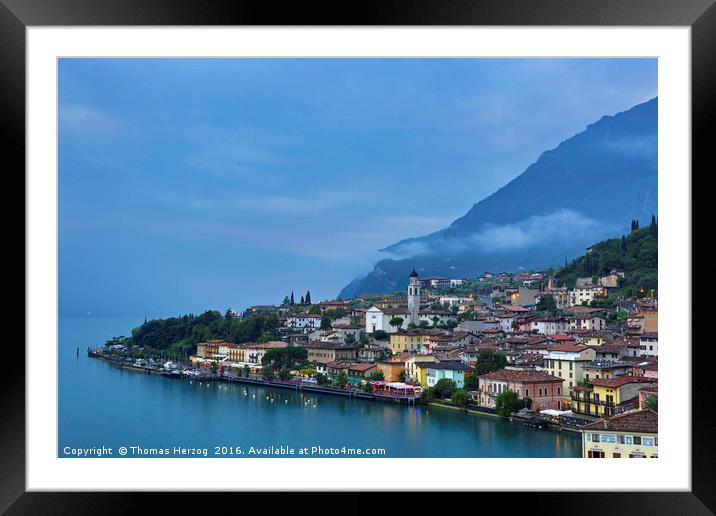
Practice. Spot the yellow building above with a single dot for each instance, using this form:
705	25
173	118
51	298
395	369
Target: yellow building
412	340
601	396
630	435
411	367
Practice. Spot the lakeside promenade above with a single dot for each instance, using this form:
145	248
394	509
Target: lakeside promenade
316	389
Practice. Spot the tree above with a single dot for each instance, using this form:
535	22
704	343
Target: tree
350	338
653	227
402	376
428	394
303	301
507	402
396	322
488	361
292	301
472	383
267	372
424	324
377	376
547	304
460	397
326	324
308	297
652	404
444	388
342	379
380	335
368	387
435	321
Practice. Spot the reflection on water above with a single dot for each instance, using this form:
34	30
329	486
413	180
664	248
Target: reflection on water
103	405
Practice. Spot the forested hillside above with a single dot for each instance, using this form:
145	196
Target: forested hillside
636	254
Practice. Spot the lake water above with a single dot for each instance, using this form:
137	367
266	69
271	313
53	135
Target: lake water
103	406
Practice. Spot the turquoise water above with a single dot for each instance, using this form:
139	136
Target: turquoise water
104	406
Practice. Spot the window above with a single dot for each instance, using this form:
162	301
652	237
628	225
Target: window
628	439
558	390
595	454
648	441
637	439
595	438
527	392
587	437
608	438
616	455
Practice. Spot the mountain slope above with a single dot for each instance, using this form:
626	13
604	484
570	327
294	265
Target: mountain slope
585	189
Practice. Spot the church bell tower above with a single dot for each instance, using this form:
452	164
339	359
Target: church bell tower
414	297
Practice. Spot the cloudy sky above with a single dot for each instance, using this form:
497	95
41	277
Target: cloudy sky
208	183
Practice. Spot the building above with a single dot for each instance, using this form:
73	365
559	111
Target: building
324	352
585	294
357	371
548	325
643	321
209	349
435	371
646	393
480	324
605	397
392	368
587	322
524	296
649	344
566	361
606	369
633	434
452	301
327	306
542	388
253	352
411	366
412	340
303	321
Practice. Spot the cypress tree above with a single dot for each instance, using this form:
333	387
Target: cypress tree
308	297
292	301
652	226
302	301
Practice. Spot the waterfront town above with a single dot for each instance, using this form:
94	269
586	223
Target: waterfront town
524	346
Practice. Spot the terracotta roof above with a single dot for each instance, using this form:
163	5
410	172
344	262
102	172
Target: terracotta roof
646	421
618	381
521	376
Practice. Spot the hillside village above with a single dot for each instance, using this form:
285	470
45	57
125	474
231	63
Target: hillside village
548	347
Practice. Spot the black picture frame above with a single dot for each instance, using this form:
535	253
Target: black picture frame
700	15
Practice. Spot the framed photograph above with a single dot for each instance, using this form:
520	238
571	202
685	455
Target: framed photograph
413	250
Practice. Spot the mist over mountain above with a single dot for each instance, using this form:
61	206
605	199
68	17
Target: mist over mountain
586	189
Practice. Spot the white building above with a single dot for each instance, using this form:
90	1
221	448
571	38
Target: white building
451	301
587	322
649	344
585	293
549	325
303	321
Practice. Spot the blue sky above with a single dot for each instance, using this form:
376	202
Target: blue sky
187	184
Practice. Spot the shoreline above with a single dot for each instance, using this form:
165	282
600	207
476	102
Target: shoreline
354	394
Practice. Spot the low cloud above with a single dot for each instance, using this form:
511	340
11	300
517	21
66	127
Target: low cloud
559	226
540	229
